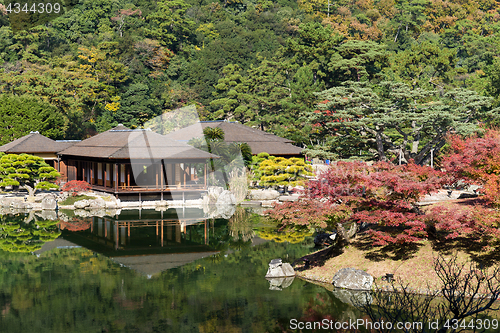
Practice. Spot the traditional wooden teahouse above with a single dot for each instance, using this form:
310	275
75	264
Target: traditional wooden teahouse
129	162
38	145
259	141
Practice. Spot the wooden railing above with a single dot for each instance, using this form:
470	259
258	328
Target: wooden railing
162	188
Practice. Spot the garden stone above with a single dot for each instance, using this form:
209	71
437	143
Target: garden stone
215	191
6	202
49	215
98	203
81	212
465	195
351	278
354	298
162	203
288	198
280	283
225	211
96	212
49	202
278	269
112	204
250	203
18	204
80	204
226	198
263	194
269	203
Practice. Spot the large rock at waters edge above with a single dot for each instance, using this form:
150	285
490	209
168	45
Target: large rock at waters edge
278	269
263	194
97	204
353	297
6	202
18	204
351	278
49	202
81	204
280	283
226	198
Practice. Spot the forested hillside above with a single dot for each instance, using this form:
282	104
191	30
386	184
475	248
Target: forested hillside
261	62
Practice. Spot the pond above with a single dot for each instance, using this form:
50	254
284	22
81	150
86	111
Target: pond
149	271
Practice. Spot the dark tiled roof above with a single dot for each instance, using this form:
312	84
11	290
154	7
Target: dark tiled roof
35	143
258	140
123	143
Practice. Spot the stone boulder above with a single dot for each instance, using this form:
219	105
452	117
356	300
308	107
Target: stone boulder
49	215
278	269
113	203
18	204
354	279
223	211
81	204
263	195
81	212
97	204
226	198
6	201
354	298
161	203
280	283
288	198
49	202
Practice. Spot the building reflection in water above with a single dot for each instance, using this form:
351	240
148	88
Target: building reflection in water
147	241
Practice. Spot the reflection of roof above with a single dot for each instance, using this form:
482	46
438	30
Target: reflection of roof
58	243
124	143
157	263
258	140
35	143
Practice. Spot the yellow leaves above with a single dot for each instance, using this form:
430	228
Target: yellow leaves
114	105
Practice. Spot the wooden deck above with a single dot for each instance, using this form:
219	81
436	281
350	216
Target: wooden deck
150	189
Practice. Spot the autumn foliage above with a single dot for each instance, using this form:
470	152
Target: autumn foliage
383	197
75	186
476	160
382	194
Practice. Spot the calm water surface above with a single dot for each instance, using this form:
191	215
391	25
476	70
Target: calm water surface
147	271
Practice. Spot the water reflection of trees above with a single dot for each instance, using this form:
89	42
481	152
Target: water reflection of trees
26	232
78	290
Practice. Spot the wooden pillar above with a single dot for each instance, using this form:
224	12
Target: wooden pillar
161	175
178	232
161	233
116	177
117	236
127	170
205	175
91	180
173	174
206	242
184	172
105	167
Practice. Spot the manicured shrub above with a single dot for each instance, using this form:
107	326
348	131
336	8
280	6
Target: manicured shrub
272	170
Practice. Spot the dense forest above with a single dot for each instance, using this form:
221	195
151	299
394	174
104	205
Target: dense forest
400	74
